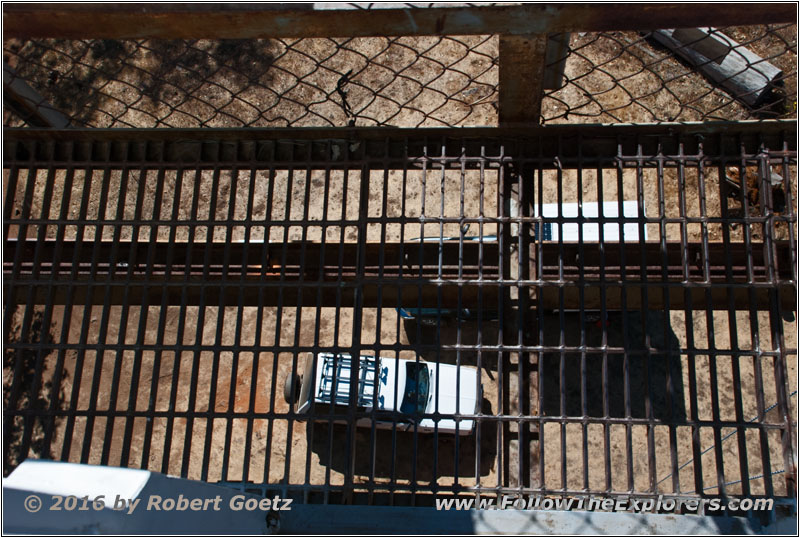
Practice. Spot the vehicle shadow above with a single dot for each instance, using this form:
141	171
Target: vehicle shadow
404	455
655	376
651	360
427	339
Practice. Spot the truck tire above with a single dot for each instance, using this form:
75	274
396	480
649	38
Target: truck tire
291	387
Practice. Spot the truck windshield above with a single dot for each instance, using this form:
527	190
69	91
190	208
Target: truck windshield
415	398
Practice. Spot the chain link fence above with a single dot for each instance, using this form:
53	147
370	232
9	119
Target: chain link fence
631	77
407	81
608	77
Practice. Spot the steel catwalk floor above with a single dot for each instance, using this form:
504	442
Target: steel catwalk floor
159	285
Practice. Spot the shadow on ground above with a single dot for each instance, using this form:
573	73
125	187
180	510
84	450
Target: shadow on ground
393	452
649	376
432	336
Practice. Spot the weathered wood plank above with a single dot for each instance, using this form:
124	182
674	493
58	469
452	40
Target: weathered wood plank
522	60
244	21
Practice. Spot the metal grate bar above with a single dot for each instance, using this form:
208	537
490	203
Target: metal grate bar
160	287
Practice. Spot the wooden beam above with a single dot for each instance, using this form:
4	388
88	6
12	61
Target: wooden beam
246	21
521	78
555	60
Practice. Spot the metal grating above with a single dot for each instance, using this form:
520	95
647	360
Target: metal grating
159	286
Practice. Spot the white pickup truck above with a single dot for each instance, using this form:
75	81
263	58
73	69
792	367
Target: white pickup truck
402	389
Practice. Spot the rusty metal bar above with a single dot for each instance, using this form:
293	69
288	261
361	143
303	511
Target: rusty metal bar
190	271
424	136
458	261
310	261
399	148
247	21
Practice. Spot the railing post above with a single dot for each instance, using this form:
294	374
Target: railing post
521	79
555	60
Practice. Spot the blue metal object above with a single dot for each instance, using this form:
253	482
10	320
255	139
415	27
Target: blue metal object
465	314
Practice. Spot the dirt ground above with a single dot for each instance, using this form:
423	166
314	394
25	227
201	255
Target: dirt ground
247	376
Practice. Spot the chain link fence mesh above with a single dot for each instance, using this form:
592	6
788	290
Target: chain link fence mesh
616	77
407	81
609	77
